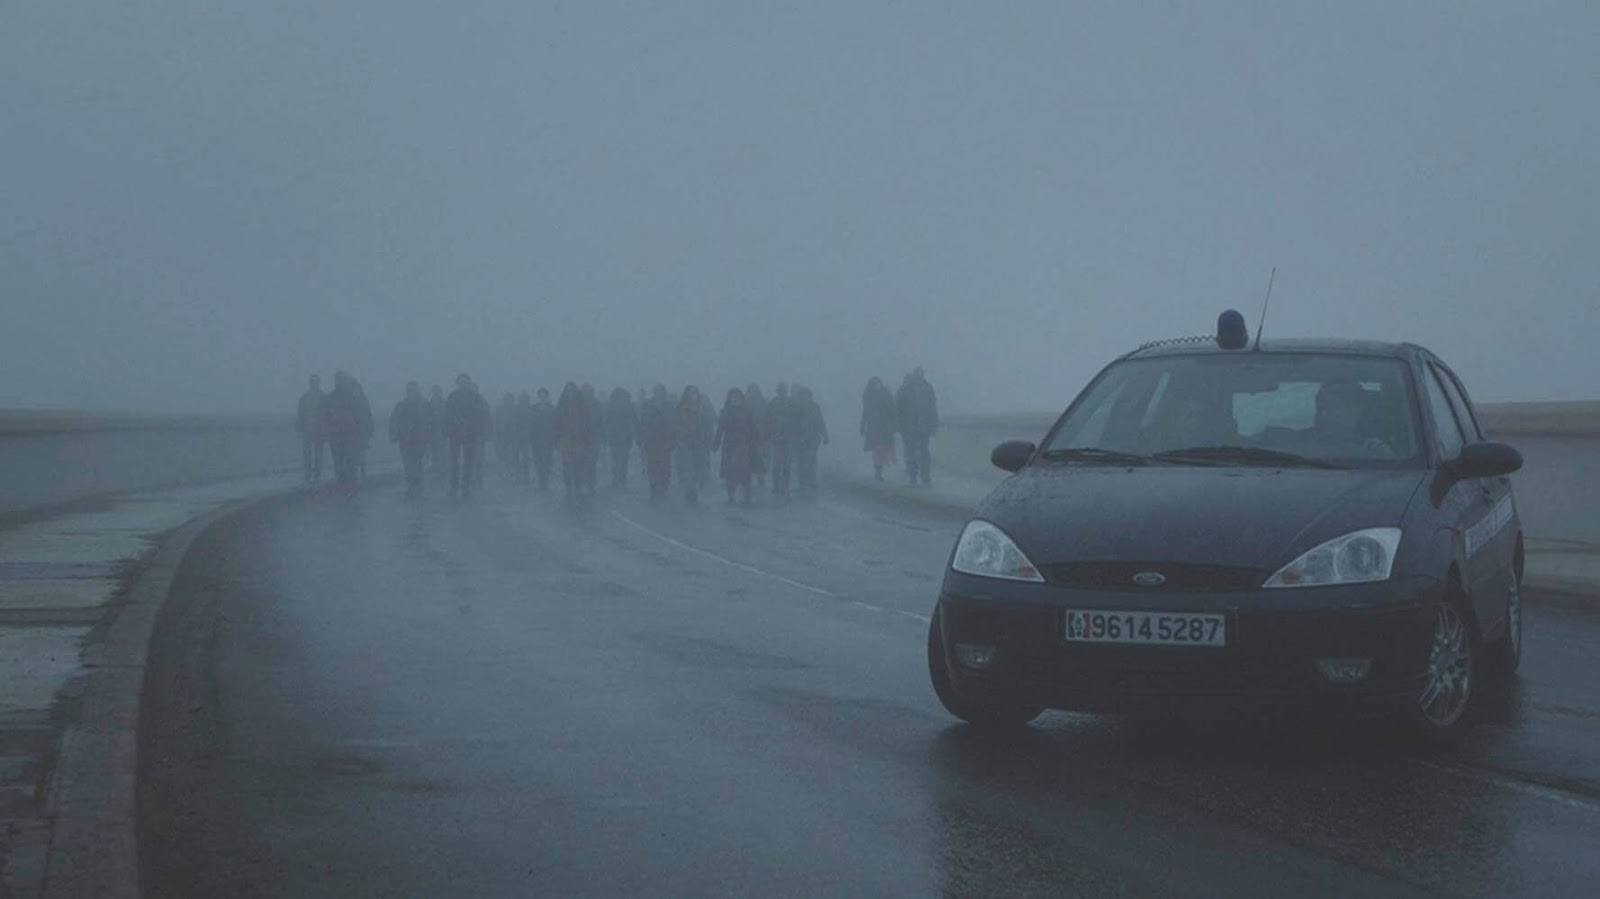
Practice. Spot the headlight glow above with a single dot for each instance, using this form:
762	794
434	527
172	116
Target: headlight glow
1359	557
985	550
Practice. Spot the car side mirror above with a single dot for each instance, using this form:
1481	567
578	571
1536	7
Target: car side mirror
1012	455
1485	460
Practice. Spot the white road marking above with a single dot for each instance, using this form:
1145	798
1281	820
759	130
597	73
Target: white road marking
751	569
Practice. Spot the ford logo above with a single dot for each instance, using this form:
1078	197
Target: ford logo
1149	579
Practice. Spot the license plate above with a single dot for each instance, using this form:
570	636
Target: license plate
1147	628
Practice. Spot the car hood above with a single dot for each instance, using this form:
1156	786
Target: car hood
1242	517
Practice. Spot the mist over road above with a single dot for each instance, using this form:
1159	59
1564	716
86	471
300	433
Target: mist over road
508	697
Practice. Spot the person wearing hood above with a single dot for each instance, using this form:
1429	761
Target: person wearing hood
522	438
811	437
736	438
622	420
308	424
408	429
542	437
364	409
693	432
655	436
878	424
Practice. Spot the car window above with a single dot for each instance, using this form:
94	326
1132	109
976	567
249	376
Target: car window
1447	432
1327	407
1458	402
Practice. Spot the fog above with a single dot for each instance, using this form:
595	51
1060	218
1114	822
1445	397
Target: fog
204	203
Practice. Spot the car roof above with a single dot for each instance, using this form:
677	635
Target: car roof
1207	346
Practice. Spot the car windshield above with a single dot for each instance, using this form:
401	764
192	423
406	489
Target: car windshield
1272	409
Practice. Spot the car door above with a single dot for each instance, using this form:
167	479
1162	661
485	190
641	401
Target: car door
1464	504
1493	540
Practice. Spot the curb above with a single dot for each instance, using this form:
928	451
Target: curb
93	847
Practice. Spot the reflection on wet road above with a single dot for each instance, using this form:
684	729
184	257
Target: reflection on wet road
509	697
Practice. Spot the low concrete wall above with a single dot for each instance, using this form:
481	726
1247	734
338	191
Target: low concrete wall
54	457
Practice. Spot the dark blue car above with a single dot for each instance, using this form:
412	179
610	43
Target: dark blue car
1299	526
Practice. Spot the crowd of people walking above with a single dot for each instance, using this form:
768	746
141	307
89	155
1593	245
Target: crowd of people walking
758	444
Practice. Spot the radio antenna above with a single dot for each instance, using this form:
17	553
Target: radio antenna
1268	299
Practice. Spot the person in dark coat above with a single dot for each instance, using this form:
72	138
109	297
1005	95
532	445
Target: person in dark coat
812	436
542	437
692	433
879	422
346	427
437	445
408	428
466	425
918	410
575	438
756	401
309	425
737	437
655	436
783	431
622	420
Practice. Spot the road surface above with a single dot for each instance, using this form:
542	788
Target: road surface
506	696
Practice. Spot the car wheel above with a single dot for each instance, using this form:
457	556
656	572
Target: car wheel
975	712
1506	653
1442	712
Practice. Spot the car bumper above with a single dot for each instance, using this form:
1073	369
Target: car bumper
1268	665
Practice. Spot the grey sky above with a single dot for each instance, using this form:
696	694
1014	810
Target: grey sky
204	202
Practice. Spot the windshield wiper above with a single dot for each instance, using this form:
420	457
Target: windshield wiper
1094	454
1246	455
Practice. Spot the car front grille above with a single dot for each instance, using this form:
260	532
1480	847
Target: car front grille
1176	577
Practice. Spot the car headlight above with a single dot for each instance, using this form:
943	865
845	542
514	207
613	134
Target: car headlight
1356	558
986	551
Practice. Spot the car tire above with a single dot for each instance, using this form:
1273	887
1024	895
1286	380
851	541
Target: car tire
1443	712
1505	654
975	712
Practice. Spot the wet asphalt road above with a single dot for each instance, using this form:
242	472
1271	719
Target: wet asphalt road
509	697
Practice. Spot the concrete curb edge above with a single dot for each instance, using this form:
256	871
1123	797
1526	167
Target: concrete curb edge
93	848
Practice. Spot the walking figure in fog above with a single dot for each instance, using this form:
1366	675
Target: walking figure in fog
309	425
466	424
656	431
783	430
622	419
692	443
574	437
879	421
408	428
918	414
737	438
812	436
505	430
597	431
437	445
756	402
346	426
542	437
